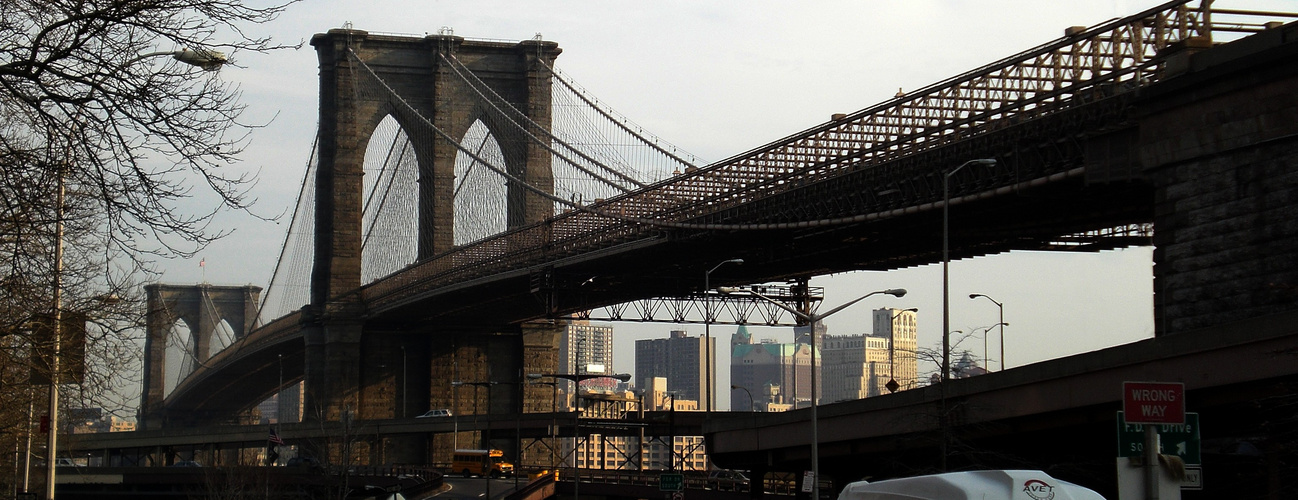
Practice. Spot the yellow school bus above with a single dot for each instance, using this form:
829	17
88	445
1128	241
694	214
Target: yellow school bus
480	463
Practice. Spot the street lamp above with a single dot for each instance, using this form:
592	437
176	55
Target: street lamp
812	319
208	60
752	404
279	397
707	330
892	384
946	262
57	329
987	330
1002	324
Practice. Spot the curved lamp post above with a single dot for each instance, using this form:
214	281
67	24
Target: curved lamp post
812	319
987	330
946	264
707	332
752	404
1002	324
208	60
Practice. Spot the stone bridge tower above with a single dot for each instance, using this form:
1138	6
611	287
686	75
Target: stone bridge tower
350	110
202	308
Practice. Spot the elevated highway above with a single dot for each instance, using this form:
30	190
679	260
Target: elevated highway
1058	415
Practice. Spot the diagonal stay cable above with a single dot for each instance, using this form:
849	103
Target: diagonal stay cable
469	170
652	143
387	190
288	234
686	225
456	66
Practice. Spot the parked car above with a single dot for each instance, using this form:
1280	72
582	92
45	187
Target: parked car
436	413
728	475
64	462
186	463
727	480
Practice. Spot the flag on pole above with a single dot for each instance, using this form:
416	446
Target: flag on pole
274	438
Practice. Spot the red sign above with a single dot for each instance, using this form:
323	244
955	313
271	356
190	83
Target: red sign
1153	402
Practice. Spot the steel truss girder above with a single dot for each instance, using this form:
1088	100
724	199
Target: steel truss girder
715	308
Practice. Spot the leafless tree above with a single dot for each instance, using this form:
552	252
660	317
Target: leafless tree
101	99
87	94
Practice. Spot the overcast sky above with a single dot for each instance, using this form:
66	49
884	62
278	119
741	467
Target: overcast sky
718	78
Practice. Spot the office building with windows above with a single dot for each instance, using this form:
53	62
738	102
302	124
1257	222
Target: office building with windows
585	349
777	375
681	360
861	366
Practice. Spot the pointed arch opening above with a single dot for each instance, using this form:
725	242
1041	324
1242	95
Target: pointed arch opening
480	193
179	357
391	202
222	337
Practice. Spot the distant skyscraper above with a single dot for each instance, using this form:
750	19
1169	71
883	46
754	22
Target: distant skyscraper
900	327
778	376
587	349
860	366
854	367
680	359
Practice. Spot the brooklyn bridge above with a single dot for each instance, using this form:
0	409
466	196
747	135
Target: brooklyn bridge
465	199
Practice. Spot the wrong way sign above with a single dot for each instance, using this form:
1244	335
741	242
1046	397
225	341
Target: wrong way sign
1153	402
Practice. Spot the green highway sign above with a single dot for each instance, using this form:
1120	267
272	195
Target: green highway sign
669	481
1175	439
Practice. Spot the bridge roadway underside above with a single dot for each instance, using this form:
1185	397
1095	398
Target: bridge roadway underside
669	263
1059	416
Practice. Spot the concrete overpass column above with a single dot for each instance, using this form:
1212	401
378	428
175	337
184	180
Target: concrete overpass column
757	483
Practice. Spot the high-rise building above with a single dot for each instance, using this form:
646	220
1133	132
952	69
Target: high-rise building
680	359
586	349
853	367
860	366
776	375
899	326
